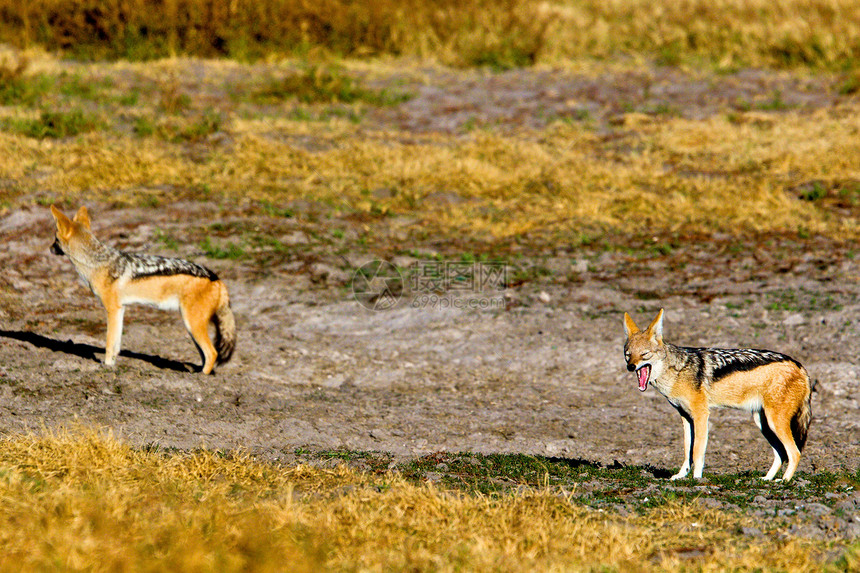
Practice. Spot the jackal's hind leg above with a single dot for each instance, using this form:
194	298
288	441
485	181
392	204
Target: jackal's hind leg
779	452
198	327
781	426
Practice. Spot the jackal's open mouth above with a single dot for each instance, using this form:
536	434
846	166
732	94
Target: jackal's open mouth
642	374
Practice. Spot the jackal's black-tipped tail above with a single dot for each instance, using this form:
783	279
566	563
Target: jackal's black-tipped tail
225	330
801	420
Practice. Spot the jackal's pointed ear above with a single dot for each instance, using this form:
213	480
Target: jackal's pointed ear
64	224
629	326
656	327
83	217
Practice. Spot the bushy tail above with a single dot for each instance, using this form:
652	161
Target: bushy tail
225	330
801	420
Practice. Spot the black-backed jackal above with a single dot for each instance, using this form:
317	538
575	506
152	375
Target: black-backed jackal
773	386
120	279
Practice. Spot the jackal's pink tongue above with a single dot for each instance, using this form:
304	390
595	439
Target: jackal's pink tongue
643	374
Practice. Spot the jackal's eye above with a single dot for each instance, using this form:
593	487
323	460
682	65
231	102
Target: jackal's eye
646	355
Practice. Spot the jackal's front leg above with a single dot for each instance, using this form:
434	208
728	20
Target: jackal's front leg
700	442
114	332
688	454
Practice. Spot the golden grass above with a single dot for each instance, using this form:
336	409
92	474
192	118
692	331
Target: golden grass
727	33
500	33
82	499
733	173
671	175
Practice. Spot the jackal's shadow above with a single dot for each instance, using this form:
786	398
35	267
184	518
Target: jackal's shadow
90	352
575	463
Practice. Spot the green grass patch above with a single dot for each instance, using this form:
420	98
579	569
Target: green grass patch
144	126
324	84
797	300
496	473
180	130
231	251
18	88
168	241
77	86
55	124
199	127
273	210
24	90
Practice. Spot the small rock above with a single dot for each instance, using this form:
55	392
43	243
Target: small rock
552	449
378	434
294	238
752	531
794	320
544	297
335	381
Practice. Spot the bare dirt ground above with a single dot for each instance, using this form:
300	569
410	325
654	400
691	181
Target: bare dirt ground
544	374
541	373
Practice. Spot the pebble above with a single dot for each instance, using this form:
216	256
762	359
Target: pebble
794	320
378	434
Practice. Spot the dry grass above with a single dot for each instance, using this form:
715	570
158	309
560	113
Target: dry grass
727	33
683	176
501	34
84	500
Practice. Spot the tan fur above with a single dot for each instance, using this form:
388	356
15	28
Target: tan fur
778	393
199	300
